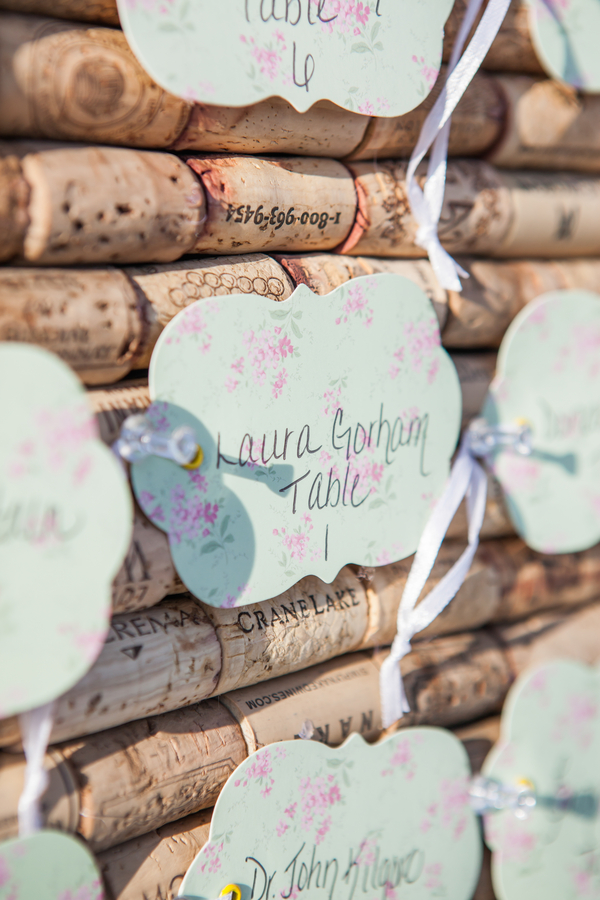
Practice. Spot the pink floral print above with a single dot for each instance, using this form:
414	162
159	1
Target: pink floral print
317	796
356	305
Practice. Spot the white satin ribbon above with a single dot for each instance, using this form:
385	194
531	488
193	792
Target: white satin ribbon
36	725
467	477
427	205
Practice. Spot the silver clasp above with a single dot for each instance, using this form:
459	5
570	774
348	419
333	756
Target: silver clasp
139	438
484	438
488	795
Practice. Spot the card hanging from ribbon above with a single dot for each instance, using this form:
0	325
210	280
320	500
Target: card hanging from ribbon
426	204
539	438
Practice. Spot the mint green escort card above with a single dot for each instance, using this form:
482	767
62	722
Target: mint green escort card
565	37
327	425
382	822
378	58
548	377
550	741
65	526
48	865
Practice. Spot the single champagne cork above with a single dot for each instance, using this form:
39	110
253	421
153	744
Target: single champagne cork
59	805
67	81
108	205
512	49
476	123
260	203
324	272
169	289
273	126
89	317
308	624
152	867
531	581
323	703
475	372
553	636
153	661
145	774
476	215
102	11
14	199
475	603
549	125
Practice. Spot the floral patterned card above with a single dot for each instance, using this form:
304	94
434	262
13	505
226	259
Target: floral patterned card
327	425
550	739
565	35
378	58
548	376
65	526
379	822
48	865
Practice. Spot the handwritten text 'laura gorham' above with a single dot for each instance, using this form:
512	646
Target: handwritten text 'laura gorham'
333	486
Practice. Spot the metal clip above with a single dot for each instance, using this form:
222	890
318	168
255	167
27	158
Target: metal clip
484	438
139	438
488	795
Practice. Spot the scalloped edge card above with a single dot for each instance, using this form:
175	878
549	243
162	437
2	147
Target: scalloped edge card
565	37
48	865
387	821
66	519
327	425
548	376
376	58
550	738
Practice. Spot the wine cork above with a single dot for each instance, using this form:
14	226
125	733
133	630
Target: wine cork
324	703
68	81
102	11
475	372
549	125
14	199
148	574
475	603
259	203
273	126
108	204
145	774
453	679
553	635
59	805
512	49
476	123
476	215
308	624
490	211
89	317
495	521
153	661
169	289
324	272
531	581
153	866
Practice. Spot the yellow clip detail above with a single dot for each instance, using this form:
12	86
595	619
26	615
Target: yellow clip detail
195	464
232	889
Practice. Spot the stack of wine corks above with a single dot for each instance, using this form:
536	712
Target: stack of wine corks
120	205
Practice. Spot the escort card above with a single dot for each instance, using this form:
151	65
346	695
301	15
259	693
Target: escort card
327	426
386	821
65	526
380	58
48	865
550	743
564	34
548	377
